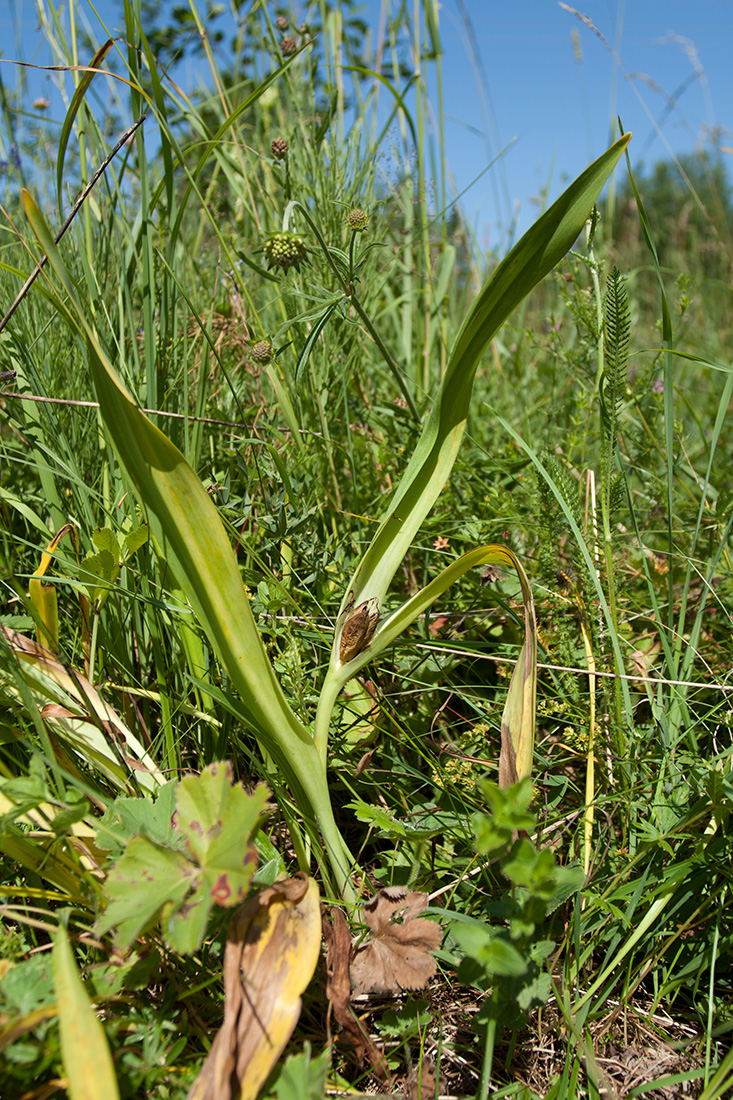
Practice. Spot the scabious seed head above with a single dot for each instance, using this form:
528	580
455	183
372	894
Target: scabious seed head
284	250
281	23
262	352
279	148
357	219
288	46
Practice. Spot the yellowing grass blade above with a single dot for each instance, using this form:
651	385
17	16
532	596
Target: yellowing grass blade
43	596
86	1055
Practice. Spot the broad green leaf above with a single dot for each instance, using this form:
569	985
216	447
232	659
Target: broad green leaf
147	878
133	540
490	950
190	537
214	816
429	468
104	538
304	1077
538	251
87	1060
128	817
98	572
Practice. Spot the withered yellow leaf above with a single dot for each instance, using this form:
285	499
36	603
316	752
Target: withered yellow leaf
272	950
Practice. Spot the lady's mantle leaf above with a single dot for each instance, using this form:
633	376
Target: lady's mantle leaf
213	863
397	955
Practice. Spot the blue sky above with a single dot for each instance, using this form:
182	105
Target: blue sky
532	75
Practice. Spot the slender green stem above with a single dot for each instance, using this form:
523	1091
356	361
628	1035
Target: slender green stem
488	1059
350	294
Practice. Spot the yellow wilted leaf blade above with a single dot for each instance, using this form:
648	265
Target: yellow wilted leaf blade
86	1055
273	945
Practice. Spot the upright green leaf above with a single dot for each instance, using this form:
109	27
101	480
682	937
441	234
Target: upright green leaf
538	251
190	537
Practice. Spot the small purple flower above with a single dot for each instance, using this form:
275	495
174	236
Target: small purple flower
15	157
658	386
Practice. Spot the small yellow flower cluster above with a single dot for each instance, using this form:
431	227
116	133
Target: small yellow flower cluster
455	771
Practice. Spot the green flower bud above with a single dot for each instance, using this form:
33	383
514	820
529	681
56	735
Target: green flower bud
284	250
262	352
357	219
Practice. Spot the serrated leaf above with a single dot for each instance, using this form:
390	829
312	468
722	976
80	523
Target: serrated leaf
568	881
104	538
214	816
378	816
133	540
213	823
142	882
128	817
535	992
99	572
303	1077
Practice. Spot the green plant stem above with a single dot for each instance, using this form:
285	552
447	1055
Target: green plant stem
351	295
488	1059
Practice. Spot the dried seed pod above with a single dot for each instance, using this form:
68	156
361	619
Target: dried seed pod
358	629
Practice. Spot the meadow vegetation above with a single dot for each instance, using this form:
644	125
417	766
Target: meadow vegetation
431	546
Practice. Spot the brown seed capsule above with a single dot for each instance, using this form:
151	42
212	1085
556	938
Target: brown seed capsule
279	148
358	629
281	23
262	352
288	46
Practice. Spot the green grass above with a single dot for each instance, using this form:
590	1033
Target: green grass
597	448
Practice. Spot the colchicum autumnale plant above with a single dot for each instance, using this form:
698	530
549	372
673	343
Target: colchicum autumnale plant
190	537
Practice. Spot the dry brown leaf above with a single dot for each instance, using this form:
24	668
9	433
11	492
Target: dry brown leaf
272	950
338	991
396	957
420	1084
